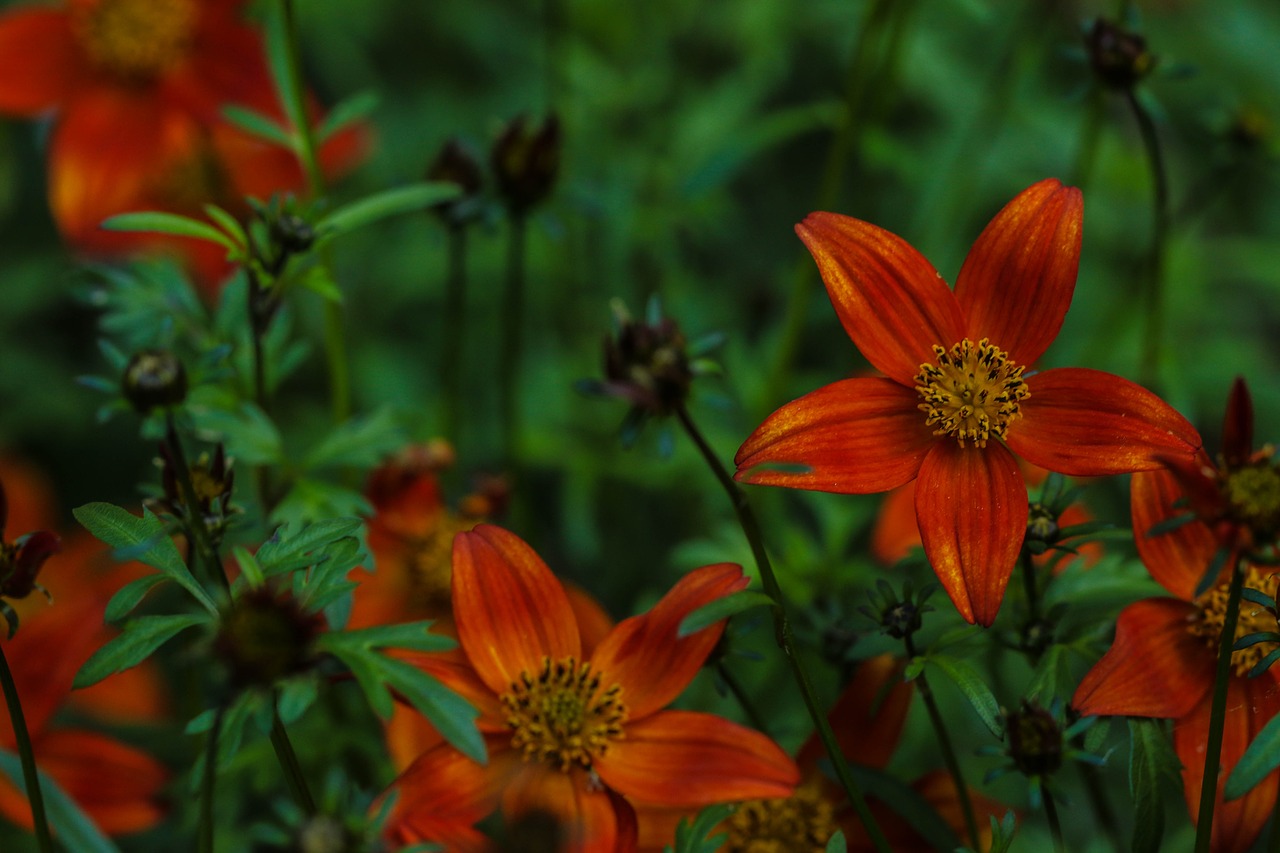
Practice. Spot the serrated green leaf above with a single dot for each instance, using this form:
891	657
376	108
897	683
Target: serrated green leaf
391	202
139	638
1150	757
359	442
286	551
157	222
75	829
1262	756
722	608
129	596
345	112
964	676
145	539
256	124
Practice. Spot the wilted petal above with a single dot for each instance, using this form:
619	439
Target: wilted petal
1016	283
1176	558
855	436
892	302
971	505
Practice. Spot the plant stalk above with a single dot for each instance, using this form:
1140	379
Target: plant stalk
1055	825
207	823
26	755
1154	308
455	315
510	345
306	137
293	775
194	522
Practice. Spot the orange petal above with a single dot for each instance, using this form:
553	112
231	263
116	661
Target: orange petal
1250	704
1016	283
594	624
511	611
892	302
592	818
40	62
971	505
442	796
1178	558
1087	423
1155	667
643	653
896	533
856	436
868	717
685	758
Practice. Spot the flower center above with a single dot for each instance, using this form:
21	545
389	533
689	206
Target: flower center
801	823
1254	495
561	716
972	393
135	38
430	563
1208	620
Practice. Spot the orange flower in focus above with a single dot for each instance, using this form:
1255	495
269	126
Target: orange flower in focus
958	394
572	733
137	87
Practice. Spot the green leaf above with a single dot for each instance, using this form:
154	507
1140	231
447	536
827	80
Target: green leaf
145	539
359	442
1262	756
75	829
130	595
391	202
964	676
1150	758
410	635
346	112
722	608
283	73
694	836
250	571
229	224
837	844
286	552
1053	678
249	434
157	222
320	281
259	125
140	637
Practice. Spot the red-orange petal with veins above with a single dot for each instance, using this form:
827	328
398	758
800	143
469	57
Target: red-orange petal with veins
892	302
686	758
441	797
594	820
971	504
40	62
511	611
855	436
1250	704
1155	667
1086	423
644	655
1177	558
1237	425
1015	285
868	717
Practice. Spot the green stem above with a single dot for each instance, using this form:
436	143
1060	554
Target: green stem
782	629
1090	134
1218	712
207	823
298	108
510	345
25	754
293	775
194	522
1051	812
455	318
948	751
744	700
1154	331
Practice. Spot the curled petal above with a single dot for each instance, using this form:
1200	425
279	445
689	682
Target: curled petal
971	505
511	611
685	758
40	62
868	717
1155	667
892	302
1086	423
1016	283
855	436
1176	558
644	655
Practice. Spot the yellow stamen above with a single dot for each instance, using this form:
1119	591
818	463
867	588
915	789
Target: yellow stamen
1254	494
801	823
972	393
136	38
1210	616
562	716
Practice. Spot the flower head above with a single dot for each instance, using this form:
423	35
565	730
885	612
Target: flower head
958	393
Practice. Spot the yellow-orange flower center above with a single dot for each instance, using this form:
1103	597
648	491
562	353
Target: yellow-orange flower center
563	715
1210	617
430	563
800	823
137	39
972	392
1254	495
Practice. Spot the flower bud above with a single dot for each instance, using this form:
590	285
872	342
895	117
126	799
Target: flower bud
646	364
1035	740
456	164
153	378
292	233
1119	58
525	161
265	637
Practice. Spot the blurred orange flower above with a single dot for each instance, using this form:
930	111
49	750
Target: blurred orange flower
956	396
576	734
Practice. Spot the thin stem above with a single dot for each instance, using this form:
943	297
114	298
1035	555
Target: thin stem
783	632
1160	228
1273	841
1055	826
25	755
194	522
510	345
948	751
1218	712
744	700
293	775
306	135
207	823
455	318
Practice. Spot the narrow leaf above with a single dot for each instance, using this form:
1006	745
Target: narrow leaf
974	689
452	716
411	635
346	112
1262	756
130	595
157	222
837	844
387	203
256	124
1150	757
136	642
722	608
75	829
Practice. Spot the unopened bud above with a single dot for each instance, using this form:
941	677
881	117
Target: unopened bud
154	378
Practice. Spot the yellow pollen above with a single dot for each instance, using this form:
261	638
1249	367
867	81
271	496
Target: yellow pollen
430	563
137	39
972	392
1211	613
562	716
1254	495
801	823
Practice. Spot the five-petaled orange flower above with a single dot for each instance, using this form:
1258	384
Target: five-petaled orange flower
571	733
958	393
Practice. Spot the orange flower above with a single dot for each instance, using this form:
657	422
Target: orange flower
138	86
957	395
572	733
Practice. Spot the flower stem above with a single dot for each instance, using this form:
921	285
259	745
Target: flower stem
455	318
1218	712
948	751
1160	228
297	109
782	629
744	701
194	522
25	755
293	775
1055	826
210	779
1090	134
512	322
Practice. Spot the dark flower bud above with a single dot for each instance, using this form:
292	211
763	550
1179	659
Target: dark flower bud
899	617
292	233
1035	740
525	161
265	637
21	561
1119	58
154	378
456	164
646	364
